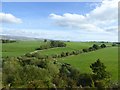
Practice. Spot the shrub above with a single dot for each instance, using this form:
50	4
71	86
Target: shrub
103	46
85	50
95	46
54	56
85	80
91	49
59	82
45	40
100	73
57	44
28	55
63	54
67	53
42	64
114	44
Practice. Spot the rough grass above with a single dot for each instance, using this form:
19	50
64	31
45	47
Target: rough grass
109	56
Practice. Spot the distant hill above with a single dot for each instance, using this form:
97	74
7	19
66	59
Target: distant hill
9	37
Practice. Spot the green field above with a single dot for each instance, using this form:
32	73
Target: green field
22	47
70	47
109	56
19	48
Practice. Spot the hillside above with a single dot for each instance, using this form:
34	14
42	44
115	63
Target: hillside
47	65
82	62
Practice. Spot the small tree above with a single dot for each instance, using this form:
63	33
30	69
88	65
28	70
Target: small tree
95	46
103	46
45	40
100	73
91	49
114	44
85	50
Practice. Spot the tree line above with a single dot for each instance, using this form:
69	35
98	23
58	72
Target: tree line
68	53
7	41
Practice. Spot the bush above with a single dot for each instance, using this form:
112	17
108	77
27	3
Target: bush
54	56
103	46
37	84
11	72
91	49
100	74
63	54
67	53
74	73
114	44
57	44
46	46
95	46
28	55
59	82
85	50
37	55
42	64
73	52
85	80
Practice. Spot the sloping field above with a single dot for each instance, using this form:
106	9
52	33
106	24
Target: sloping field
109	56
19	48
70	47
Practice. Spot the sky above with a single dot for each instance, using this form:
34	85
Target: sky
75	21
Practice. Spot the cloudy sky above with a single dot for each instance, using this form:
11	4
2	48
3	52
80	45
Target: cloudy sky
80	21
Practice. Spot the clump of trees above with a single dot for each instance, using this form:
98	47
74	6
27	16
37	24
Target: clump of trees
51	44
57	44
32	72
45	46
95	46
7	41
103	46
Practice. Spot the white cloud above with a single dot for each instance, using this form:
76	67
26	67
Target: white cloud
62	34
9	18
99	19
100	24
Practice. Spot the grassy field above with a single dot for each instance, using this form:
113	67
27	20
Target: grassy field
19	48
70	47
109	56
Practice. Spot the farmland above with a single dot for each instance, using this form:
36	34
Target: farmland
80	62
22	47
108	55
19	48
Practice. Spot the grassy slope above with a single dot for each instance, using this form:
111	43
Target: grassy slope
82	61
109	56
70	47
19	48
